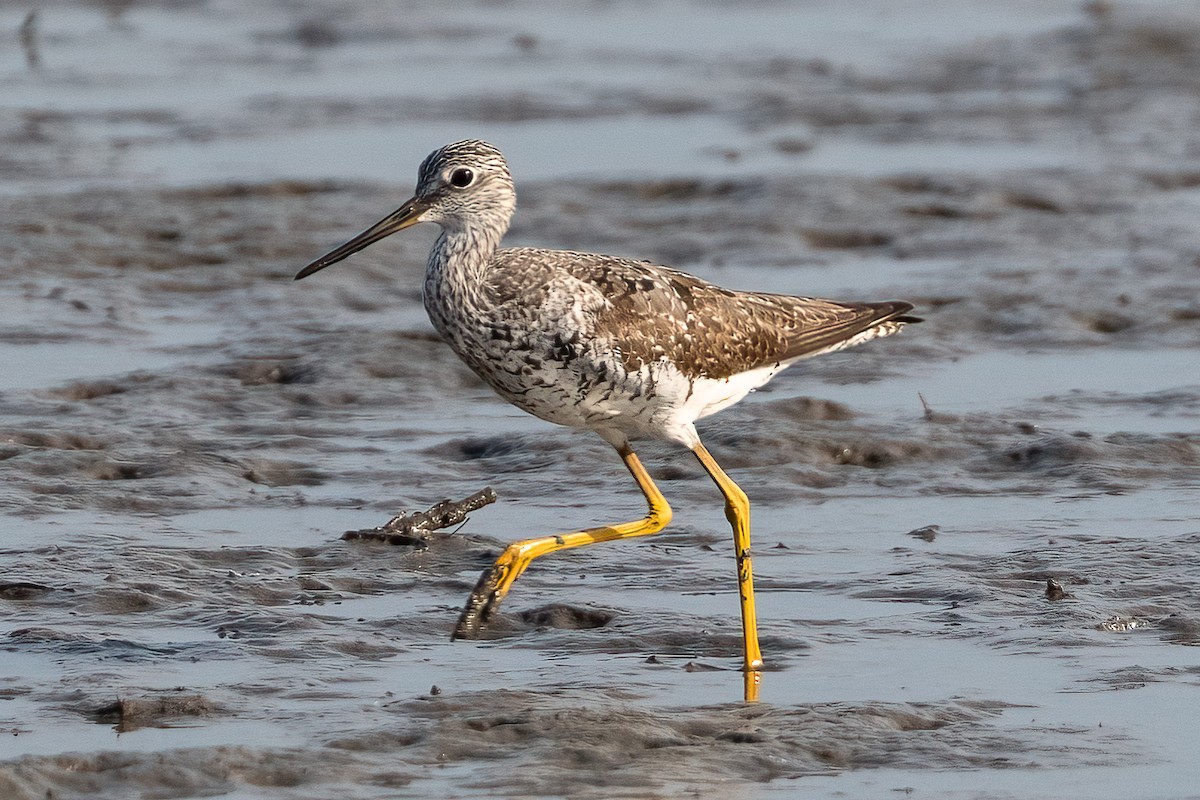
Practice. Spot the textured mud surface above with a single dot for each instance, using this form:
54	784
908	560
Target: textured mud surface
185	432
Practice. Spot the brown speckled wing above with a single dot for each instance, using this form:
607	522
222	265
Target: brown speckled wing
654	312
714	332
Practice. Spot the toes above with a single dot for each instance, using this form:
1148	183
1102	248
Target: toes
479	605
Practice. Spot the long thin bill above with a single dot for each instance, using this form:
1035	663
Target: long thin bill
403	217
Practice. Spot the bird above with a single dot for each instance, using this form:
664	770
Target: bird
626	348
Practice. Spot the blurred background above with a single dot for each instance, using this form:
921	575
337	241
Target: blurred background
975	542
185	92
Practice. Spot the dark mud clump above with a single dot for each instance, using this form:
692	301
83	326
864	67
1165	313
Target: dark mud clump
131	713
200	772
565	617
552	745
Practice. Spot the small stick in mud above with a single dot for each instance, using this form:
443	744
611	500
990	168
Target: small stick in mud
934	416
414	528
929	415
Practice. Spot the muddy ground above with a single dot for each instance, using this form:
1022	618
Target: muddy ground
975	542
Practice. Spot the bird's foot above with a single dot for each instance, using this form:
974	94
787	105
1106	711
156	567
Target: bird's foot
494	584
483	600
752	680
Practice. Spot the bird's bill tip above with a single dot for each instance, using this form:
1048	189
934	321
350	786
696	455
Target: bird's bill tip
315	266
406	216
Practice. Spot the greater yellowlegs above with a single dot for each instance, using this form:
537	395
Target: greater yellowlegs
625	348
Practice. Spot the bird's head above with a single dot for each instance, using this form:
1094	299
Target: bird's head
465	186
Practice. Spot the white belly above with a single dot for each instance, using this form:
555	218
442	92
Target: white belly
676	402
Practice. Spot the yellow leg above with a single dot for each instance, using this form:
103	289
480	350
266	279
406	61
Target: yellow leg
737	511
498	579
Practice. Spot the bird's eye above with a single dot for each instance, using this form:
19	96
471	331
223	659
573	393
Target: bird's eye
461	178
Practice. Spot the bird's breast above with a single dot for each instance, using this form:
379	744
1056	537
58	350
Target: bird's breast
543	354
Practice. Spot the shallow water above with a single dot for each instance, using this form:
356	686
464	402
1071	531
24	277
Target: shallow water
185	432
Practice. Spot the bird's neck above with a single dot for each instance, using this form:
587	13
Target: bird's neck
462	254
457	277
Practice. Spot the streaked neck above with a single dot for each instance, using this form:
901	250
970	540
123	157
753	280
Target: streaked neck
462	253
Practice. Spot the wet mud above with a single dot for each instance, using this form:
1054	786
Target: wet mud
974	542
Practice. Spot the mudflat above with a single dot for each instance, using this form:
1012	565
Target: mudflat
975	542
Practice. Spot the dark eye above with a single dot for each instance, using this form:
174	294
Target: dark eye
461	177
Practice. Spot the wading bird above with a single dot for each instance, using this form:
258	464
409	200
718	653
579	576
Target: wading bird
625	348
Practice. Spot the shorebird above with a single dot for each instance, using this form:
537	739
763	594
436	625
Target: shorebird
625	348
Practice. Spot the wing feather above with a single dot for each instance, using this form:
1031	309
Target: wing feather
651	312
